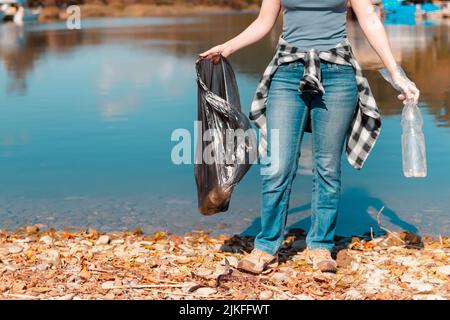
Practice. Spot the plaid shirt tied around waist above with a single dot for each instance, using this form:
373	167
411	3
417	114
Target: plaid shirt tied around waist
366	123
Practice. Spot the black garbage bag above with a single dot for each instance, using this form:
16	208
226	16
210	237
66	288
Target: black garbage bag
226	144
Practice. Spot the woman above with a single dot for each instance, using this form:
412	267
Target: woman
312	84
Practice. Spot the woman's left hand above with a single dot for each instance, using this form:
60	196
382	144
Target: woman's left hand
408	89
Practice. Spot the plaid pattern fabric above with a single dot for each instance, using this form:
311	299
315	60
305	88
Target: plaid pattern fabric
366	123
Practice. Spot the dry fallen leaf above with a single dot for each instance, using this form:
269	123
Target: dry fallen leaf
73	264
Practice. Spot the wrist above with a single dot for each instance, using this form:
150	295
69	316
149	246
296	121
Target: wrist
229	47
395	71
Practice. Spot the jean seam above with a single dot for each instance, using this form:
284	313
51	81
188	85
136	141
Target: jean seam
316	186
292	172
291	178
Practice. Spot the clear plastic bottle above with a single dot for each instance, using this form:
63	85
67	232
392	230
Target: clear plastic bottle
413	142
413	139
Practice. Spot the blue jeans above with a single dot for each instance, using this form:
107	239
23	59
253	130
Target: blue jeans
331	115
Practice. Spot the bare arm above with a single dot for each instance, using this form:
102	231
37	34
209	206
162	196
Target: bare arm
261	26
376	35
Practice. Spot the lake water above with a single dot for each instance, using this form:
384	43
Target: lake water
86	118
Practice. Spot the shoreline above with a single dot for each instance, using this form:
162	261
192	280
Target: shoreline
115	10
62	264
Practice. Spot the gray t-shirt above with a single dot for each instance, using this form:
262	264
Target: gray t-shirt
319	24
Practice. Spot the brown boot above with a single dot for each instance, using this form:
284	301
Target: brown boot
257	261
321	260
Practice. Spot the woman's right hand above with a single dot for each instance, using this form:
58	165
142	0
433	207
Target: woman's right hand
214	53
268	14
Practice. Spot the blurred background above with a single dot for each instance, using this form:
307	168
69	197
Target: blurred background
86	117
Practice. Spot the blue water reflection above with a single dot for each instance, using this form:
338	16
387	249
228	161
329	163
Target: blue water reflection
86	119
